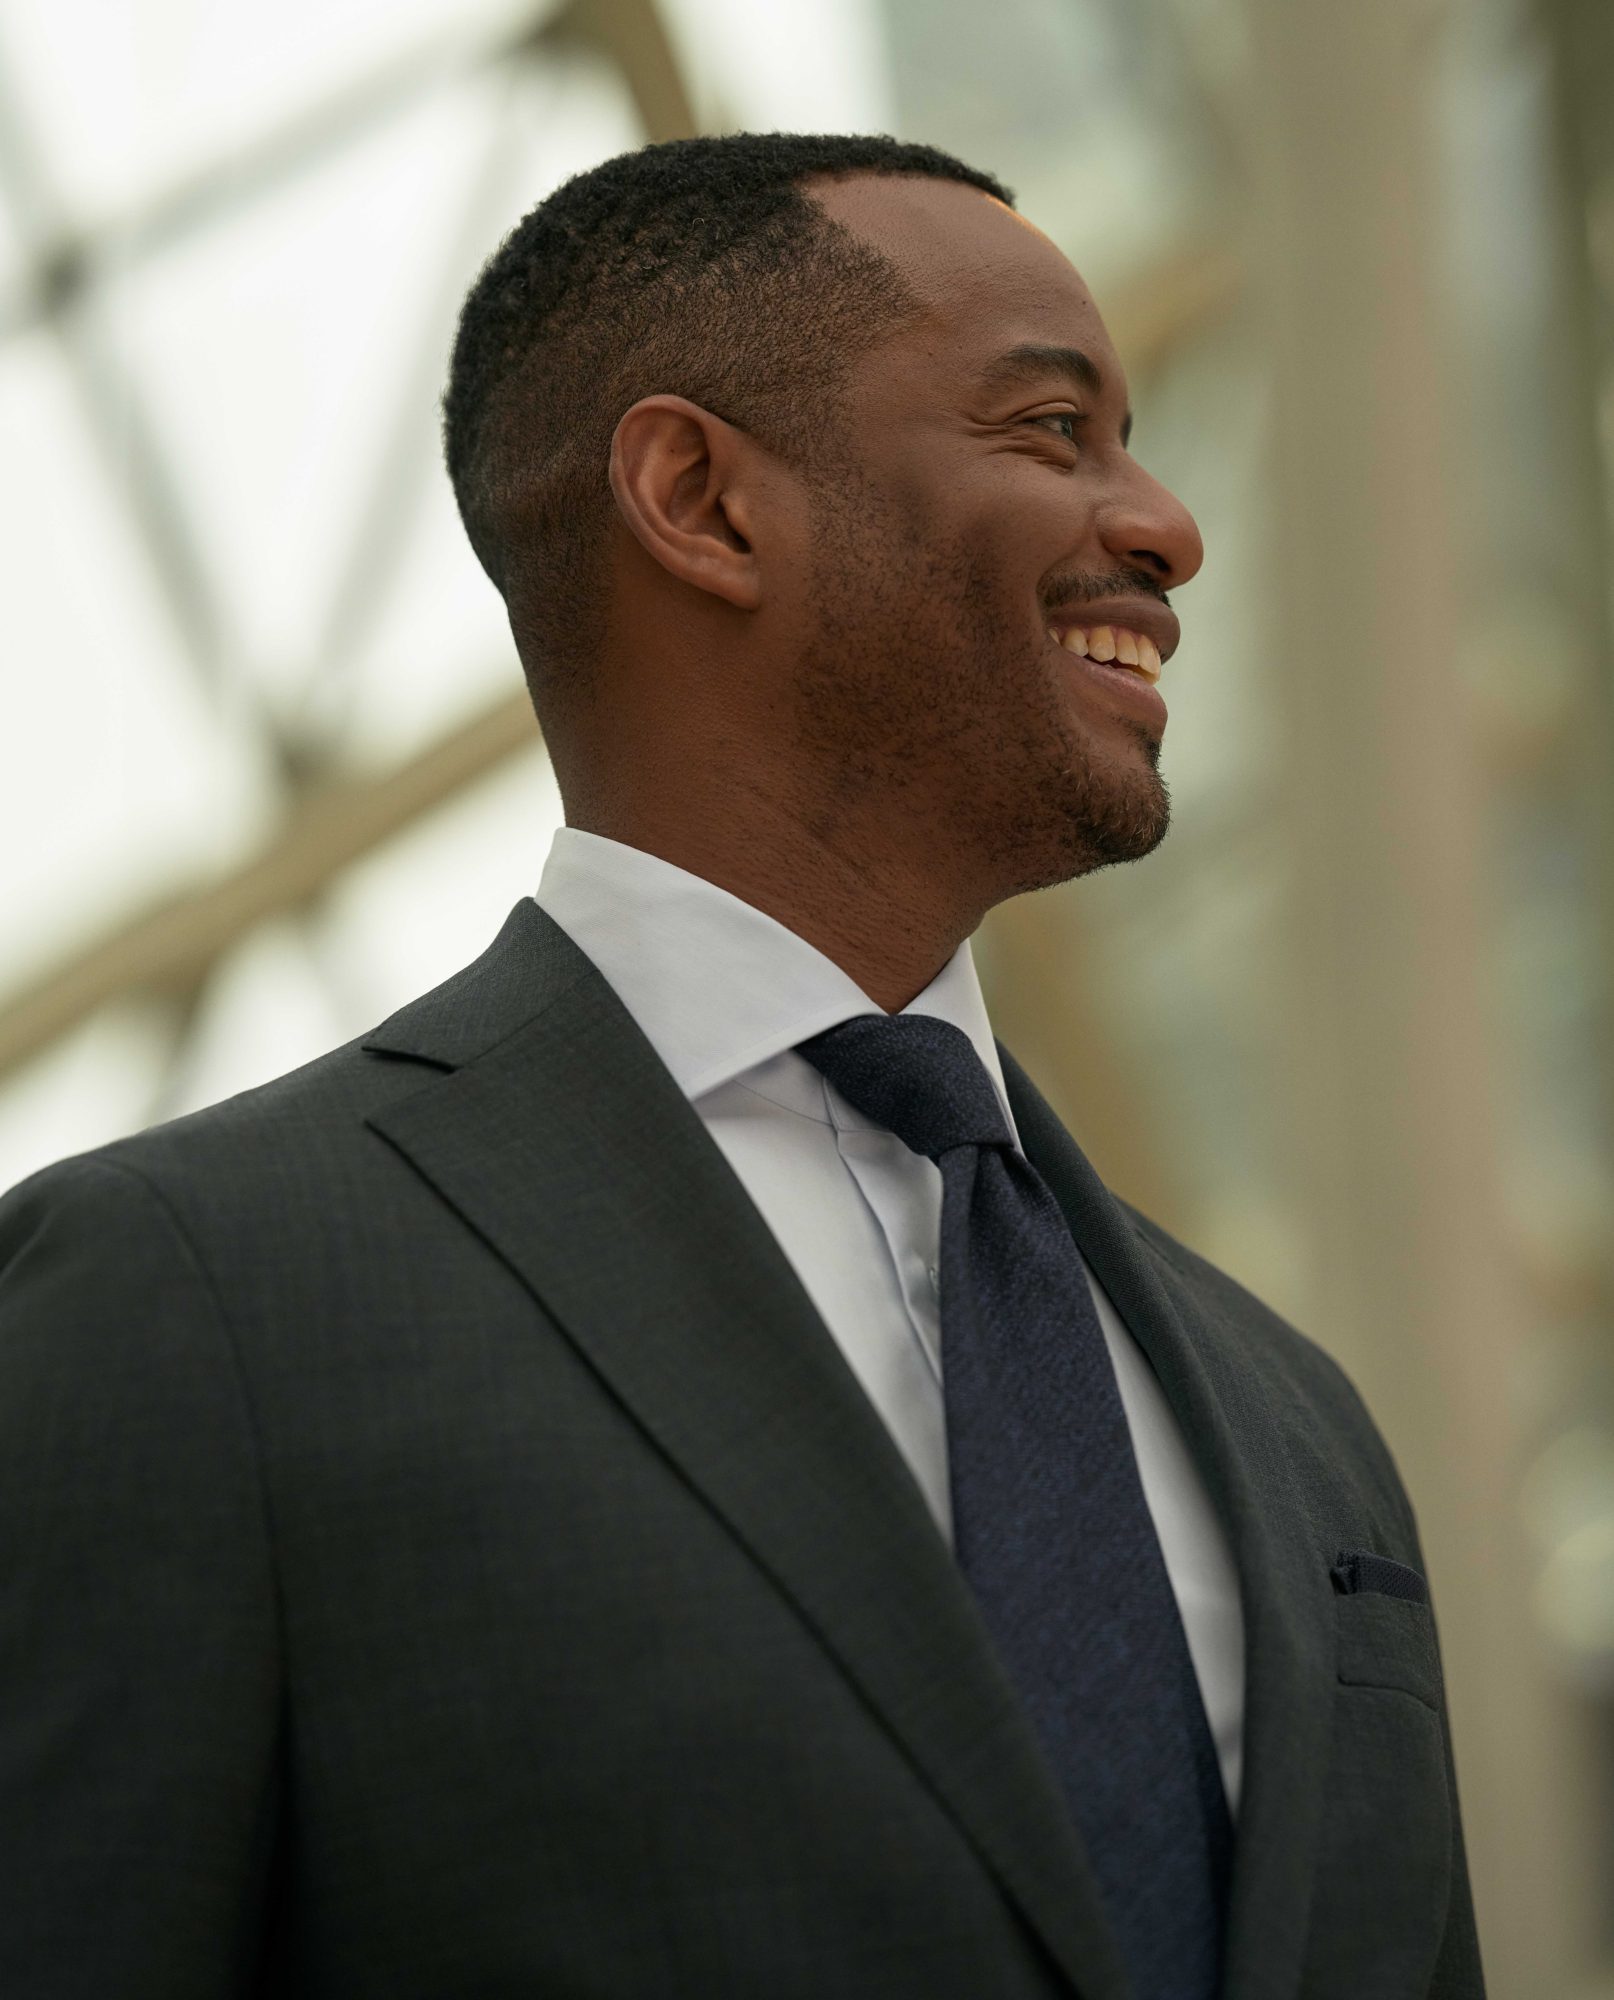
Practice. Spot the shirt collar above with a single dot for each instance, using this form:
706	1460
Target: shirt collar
717	985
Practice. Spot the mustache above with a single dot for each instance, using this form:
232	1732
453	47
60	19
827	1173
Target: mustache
1086	586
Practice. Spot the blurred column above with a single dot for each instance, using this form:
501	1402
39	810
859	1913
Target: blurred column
1392	1057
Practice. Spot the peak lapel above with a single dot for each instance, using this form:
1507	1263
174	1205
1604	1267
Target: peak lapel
560	1137
1233	1432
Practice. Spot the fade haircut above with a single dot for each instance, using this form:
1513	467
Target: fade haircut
697	268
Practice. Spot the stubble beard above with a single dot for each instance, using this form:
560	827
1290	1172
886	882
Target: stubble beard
919	709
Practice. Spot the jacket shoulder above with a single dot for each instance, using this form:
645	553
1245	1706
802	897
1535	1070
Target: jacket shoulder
306	1127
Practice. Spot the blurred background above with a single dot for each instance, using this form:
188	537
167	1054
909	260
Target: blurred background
267	769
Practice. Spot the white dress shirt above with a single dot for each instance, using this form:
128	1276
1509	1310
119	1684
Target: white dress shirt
723	993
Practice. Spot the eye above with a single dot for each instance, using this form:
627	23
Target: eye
1074	418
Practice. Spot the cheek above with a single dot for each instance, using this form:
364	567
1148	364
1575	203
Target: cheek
957	550
1032	518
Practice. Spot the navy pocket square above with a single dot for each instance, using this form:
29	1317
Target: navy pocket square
1360	1569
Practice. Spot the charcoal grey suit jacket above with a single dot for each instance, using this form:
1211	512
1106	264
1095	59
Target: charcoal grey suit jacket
444	1556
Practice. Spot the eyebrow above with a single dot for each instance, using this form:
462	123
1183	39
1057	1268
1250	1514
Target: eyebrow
1034	362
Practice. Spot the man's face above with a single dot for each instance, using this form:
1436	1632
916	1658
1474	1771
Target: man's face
990	505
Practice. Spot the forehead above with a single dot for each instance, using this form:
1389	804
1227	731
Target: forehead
991	280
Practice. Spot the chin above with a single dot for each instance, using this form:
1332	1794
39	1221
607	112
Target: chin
1097	829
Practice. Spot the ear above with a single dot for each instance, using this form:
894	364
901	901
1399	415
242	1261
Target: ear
687	484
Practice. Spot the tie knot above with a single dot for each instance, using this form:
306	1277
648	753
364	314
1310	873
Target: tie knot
916	1076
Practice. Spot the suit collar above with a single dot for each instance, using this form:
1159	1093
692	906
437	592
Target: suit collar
561	1138
718	997
528	966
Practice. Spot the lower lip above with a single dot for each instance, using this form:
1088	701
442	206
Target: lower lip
1128	690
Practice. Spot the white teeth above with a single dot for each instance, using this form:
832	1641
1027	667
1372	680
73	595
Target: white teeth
1113	644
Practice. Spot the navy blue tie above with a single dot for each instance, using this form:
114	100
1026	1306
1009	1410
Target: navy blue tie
1051	1528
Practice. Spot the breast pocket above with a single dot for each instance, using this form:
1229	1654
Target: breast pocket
1387	1642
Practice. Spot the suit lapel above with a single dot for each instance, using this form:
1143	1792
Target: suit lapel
559	1136
1233	1431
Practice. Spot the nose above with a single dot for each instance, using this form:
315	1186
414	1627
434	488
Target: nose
1143	523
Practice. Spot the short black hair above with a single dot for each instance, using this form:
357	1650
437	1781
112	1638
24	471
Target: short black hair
694	267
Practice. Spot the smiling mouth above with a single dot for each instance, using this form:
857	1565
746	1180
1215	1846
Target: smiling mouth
1112	645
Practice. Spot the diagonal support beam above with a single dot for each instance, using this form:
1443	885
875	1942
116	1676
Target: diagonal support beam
171	947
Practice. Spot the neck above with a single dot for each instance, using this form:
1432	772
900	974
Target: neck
882	915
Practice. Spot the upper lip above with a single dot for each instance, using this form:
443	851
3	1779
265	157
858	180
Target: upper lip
1147	615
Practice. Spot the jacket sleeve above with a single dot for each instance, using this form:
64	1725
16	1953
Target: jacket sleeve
139	1648
1458	1973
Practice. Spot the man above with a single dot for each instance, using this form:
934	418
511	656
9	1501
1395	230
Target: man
662	1470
